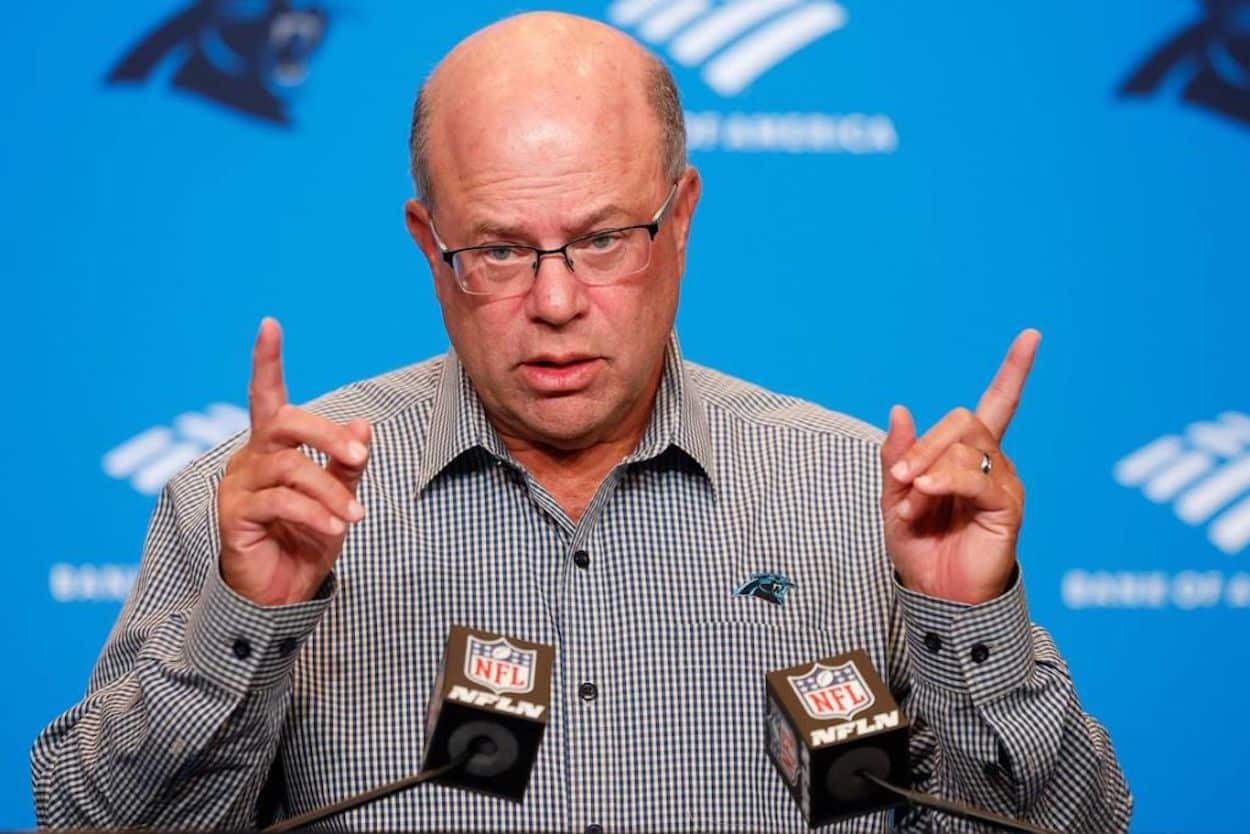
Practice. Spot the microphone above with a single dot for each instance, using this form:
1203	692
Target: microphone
826	722
491	700
839	740
479	733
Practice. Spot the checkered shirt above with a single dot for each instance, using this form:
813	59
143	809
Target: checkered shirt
182	728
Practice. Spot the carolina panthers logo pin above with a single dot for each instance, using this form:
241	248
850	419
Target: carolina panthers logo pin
771	587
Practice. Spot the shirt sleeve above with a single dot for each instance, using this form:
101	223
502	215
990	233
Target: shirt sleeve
181	720
996	720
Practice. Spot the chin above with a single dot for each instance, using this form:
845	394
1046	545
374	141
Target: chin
568	428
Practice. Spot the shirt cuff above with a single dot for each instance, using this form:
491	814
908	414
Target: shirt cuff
242	646
984	650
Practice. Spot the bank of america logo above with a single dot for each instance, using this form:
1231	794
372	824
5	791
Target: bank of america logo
1205	473
151	458
734	42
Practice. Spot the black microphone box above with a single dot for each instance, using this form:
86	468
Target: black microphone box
492	697
828	720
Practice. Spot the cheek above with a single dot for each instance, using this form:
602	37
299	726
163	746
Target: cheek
481	332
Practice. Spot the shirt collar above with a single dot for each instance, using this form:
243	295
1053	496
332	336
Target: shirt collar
458	421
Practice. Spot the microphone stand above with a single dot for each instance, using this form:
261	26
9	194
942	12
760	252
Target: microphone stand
955	809
318	814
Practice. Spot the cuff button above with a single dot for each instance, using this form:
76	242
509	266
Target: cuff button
980	653
242	649
287	646
932	642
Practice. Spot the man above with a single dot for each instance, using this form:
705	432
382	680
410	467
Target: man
564	477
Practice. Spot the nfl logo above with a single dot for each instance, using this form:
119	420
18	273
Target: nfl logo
499	666
832	692
781	741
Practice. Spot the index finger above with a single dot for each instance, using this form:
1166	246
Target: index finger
998	404
266	392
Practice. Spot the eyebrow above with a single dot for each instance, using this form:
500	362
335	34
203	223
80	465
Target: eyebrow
487	230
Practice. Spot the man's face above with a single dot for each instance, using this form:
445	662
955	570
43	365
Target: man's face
566	364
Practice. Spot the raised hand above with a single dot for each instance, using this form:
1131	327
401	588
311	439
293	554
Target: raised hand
950	526
282	518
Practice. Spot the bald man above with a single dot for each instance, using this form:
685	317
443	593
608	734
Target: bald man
562	475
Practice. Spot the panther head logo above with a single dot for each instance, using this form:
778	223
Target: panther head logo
1213	55
244	54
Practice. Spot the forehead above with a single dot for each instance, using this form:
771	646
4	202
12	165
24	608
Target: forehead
506	143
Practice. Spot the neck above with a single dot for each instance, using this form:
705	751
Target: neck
573	475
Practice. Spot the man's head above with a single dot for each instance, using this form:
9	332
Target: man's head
533	131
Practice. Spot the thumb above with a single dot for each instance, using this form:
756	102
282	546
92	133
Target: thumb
347	474
899	438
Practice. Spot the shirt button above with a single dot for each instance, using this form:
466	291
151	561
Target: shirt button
242	649
588	691
932	642
582	559
594	828
287	646
980	653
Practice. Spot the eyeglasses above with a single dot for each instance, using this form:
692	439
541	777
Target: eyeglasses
600	257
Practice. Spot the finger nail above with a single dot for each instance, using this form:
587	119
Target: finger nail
904	509
356	452
337	526
899	470
924	481
356	511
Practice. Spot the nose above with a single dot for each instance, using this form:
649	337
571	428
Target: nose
557	297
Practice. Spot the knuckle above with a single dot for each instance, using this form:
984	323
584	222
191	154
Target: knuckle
306	513
286	502
235	462
288	463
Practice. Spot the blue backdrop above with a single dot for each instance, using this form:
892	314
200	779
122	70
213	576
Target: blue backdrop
892	190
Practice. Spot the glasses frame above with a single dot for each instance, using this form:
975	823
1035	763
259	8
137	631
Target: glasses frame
652	227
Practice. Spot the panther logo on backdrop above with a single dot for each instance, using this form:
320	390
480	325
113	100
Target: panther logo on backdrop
246	55
1210	57
732	44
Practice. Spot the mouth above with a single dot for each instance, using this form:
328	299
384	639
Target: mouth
560	374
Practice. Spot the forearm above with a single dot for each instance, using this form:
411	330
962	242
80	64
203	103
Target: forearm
185	708
159	749
186	735
1002	727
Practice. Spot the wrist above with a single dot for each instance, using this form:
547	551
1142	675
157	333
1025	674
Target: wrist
966	591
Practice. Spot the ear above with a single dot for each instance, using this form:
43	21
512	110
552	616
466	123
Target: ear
417	219
689	188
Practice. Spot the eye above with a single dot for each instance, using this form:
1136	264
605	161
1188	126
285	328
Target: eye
603	241
502	254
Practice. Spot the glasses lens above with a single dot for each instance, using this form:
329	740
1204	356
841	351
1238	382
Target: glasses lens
509	270
610	256
499	270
